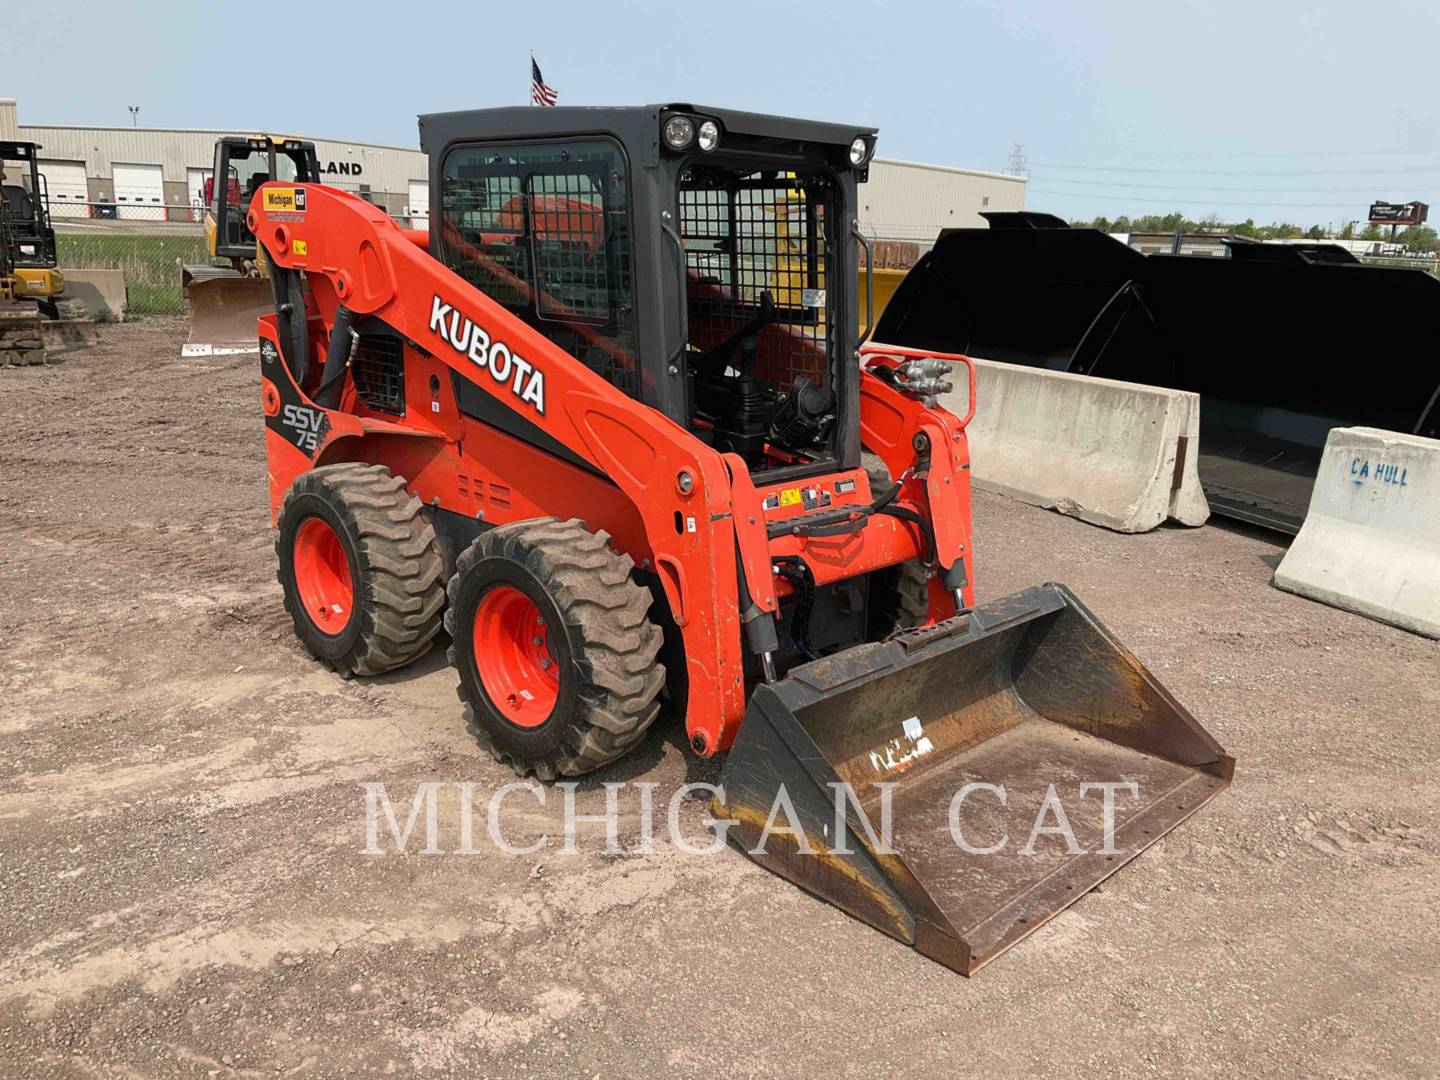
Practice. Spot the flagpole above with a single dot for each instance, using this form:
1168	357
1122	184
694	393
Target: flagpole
532	77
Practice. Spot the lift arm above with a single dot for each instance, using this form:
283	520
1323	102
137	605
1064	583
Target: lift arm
359	261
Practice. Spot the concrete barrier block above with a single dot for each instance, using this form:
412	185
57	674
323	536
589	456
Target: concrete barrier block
1115	454
1371	539
99	290
1188	505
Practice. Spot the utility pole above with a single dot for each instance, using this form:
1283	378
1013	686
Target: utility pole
1017	165
134	115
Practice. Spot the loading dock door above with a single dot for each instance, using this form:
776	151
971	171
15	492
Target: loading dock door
65	180
419	204
195	192
139	192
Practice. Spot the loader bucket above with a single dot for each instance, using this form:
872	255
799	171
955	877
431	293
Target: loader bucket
1238	331
222	307
1029	694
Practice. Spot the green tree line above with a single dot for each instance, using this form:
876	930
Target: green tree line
1415	238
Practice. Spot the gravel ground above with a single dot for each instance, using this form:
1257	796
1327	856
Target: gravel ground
182	889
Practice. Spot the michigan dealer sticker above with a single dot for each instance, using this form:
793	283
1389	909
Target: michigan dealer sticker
285	200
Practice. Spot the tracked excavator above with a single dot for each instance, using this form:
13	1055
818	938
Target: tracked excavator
610	424
37	318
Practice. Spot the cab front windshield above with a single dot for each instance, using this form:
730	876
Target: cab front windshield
249	172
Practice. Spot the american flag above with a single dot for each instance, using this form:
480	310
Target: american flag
540	94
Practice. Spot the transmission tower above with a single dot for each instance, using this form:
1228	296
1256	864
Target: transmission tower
1017	165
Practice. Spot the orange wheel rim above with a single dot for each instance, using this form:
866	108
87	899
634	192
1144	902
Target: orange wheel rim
512	657
322	576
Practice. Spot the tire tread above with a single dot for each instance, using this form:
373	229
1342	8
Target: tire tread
402	570
615	645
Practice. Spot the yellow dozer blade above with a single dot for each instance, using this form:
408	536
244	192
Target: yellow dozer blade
984	725
222	307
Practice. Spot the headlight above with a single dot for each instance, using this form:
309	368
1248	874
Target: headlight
679	132
709	135
859	151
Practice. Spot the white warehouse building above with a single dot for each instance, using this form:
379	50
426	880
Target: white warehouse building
905	200
160	173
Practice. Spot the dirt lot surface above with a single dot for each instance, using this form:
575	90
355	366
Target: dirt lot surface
182	889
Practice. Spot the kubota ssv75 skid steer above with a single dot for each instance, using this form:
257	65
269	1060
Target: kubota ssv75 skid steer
609	419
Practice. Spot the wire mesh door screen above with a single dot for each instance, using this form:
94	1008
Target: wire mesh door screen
545	231
746	236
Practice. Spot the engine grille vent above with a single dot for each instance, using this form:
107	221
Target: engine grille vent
379	373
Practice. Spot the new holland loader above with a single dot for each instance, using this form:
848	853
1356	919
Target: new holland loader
608	421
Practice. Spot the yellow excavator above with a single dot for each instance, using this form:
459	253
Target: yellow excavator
21	341
32	288
223	299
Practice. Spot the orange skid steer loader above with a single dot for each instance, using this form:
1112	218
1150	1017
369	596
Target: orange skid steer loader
609	420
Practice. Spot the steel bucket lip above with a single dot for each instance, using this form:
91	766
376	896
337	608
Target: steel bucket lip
889	891
818	677
224	323
811	682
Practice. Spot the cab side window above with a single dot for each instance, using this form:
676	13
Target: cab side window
544	230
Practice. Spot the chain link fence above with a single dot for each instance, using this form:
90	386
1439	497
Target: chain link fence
147	243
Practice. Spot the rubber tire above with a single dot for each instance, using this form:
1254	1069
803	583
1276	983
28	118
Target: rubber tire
396	570
879	473
600	635
902	592
899	598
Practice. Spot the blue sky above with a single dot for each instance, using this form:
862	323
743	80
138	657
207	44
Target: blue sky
1272	109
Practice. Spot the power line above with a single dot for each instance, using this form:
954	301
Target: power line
1193	187
1428	170
1191	199
1182	154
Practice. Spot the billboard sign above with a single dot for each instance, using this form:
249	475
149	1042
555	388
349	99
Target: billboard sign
1410	213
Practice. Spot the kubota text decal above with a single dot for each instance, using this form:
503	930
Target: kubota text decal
506	367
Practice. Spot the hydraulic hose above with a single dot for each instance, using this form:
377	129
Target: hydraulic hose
343	343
